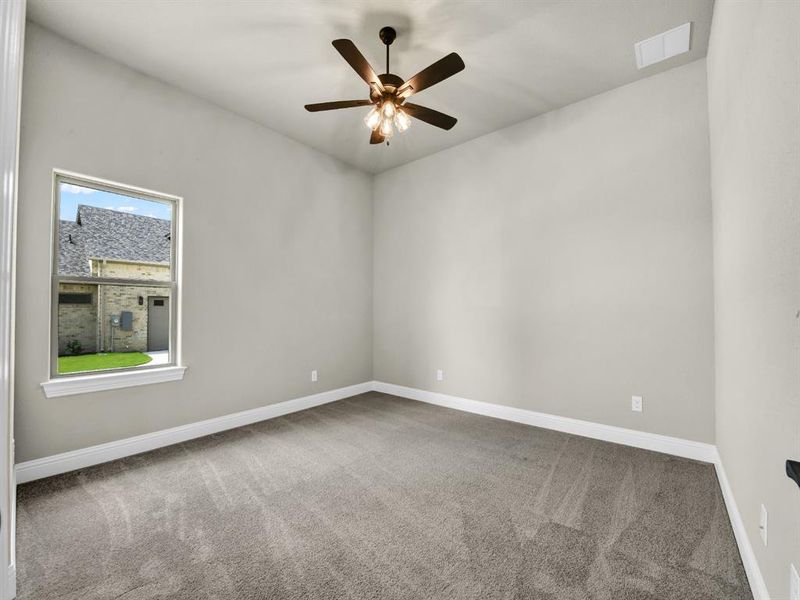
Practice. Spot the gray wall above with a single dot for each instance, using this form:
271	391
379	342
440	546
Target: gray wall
561	265
754	107
277	249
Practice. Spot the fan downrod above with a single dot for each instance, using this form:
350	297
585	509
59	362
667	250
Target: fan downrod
387	35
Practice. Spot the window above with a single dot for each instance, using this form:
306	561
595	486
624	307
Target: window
114	278
67	298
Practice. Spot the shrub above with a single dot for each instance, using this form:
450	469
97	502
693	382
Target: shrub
74	347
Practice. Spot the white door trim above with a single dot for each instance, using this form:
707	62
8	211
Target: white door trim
12	31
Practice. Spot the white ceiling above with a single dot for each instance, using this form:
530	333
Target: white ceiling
265	60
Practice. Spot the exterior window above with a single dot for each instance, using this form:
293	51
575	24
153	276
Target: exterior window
67	298
114	277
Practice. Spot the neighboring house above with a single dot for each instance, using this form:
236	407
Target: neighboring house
109	243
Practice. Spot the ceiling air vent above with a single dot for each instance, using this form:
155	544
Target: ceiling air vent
663	46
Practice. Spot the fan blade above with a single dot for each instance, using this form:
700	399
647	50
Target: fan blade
434	117
376	137
438	71
356	60
335	105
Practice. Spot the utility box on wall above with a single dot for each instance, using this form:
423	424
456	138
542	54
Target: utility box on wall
126	320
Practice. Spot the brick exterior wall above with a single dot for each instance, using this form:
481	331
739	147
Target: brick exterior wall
77	321
129	270
113	299
90	324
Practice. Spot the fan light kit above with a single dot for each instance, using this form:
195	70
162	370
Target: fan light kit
388	92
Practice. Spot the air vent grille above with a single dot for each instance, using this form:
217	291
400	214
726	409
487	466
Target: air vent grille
663	46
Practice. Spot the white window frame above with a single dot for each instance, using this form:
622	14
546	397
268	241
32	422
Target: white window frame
65	384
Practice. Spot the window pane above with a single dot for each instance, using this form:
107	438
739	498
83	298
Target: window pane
122	326
105	234
75	298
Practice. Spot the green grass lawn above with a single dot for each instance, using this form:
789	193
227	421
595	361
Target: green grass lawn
105	360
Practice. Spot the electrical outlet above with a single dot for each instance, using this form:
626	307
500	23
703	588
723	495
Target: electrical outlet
439	375
314	375
762	524
794	583
636	403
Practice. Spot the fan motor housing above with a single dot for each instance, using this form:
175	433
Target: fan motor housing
391	79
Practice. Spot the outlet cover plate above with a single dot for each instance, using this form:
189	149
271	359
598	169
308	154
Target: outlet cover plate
762	524
636	403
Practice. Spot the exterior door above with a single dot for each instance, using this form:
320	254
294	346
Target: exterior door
157	323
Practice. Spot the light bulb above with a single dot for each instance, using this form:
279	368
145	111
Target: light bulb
386	128
401	120
388	109
373	119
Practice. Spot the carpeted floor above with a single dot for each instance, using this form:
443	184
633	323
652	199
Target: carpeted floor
376	497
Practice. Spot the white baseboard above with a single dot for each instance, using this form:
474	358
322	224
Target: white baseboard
609	433
77	459
69	461
757	584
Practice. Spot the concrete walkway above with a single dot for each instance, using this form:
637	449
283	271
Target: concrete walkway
159	357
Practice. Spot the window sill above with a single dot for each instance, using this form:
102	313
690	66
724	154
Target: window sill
84	384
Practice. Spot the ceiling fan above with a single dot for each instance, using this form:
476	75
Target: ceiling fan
388	92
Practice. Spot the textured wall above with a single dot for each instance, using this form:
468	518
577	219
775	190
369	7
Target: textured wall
261	212
561	265
754	110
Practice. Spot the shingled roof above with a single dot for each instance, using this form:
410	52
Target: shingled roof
100	233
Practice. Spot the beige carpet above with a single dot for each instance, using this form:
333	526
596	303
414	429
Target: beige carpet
376	497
